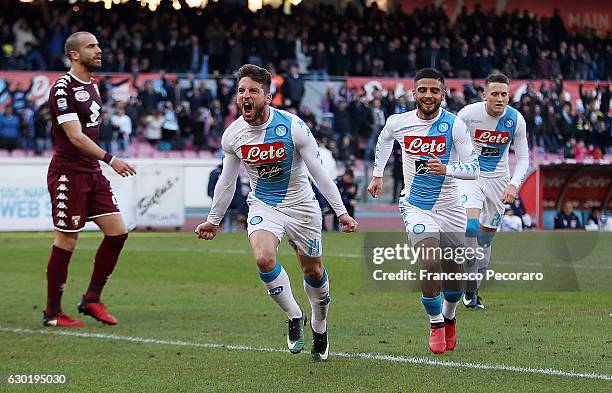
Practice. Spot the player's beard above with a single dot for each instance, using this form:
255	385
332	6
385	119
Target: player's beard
428	112
257	113
91	65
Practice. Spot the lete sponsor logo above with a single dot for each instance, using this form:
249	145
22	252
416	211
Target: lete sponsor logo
492	137
425	145
265	153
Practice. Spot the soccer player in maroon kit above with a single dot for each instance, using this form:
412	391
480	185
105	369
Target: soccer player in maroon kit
79	191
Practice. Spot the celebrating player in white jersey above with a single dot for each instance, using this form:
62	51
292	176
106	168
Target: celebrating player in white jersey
493	125
278	150
437	150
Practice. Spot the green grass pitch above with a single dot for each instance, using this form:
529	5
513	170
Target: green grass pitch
171	287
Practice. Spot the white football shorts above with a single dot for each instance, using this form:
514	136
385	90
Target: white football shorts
302	224
447	225
485	193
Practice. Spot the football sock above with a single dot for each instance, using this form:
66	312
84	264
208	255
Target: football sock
279	288
451	300
433	307
484	241
318	296
104	264
57	272
471	265
483	263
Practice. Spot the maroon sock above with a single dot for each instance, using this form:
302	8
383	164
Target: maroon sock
57	271
104	264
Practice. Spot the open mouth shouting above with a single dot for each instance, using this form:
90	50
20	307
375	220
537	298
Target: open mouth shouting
247	109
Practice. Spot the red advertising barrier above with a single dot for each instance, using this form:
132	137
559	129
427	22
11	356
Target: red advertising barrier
517	87
586	186
37	84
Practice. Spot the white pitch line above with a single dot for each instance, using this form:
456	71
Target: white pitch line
347	355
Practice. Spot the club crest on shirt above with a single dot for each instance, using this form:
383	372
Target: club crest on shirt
81	96
265	153
418	229
443	127
509	123
280	130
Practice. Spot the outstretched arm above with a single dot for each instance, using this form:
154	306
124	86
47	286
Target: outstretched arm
225	188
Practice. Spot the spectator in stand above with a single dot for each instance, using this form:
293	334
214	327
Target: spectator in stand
550	131
346	150
107	131
325	132
293	87
517	43
566	122
510	222
569	152
518	208
472	92
580	152
170	127
10	129
319	61
594	223
19	97
348	192
42	127
154	121
343	122
595	152
148	97
200	124
376	122
123	128
566	218
27	128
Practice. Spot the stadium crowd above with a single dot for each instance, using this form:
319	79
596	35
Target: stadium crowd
320	41
307	44
167	117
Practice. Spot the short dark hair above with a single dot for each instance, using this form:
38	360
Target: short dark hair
429	73
497	77
73	42
256	73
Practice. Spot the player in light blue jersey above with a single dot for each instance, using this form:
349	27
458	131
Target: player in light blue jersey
493	125
437	150
278	151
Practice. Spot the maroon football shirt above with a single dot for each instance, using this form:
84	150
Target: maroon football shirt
73	99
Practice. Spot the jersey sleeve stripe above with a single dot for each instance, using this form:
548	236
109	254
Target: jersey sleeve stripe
67	117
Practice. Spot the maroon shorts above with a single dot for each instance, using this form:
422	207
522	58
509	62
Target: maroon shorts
80	197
